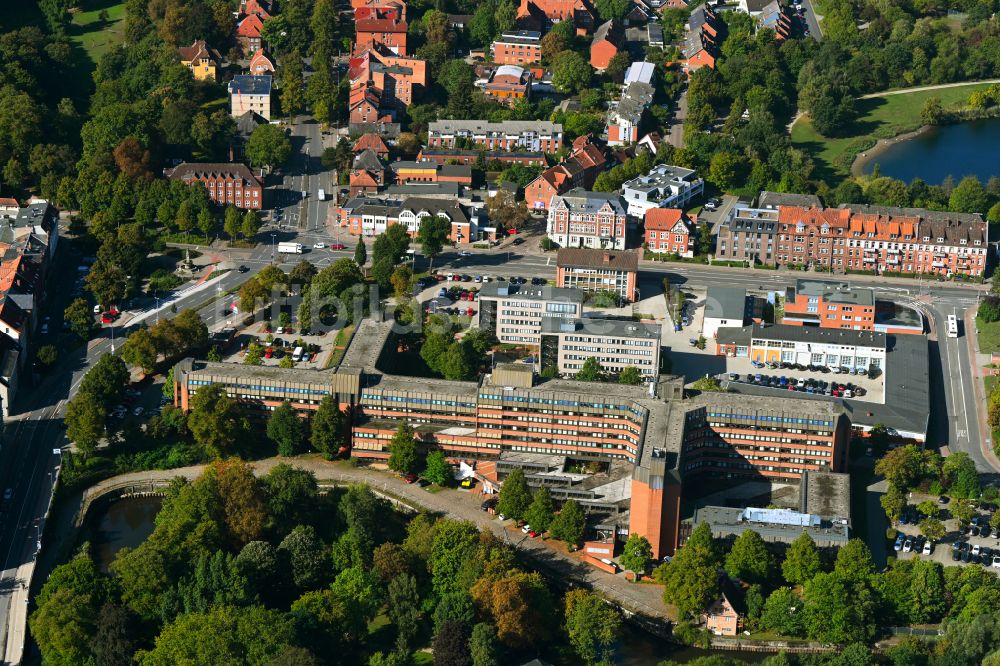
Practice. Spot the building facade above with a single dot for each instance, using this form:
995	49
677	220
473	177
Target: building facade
782	343
599	271
250	93
566	344
625	116
669	231
226	183
385	26
508	83
587	219
580	169
515	312
532	135
748	234
203	61
523	47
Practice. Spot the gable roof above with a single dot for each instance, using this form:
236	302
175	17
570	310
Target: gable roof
188	170
607	31
663	219
370	141
250	26
197	51
367	160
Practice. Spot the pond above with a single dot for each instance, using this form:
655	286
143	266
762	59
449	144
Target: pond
963	149
126	522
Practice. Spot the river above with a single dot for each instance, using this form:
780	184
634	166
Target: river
963	149
128	522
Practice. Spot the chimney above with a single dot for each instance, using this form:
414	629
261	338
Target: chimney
606	258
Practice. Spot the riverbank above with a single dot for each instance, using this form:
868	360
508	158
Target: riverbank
884	118
862	160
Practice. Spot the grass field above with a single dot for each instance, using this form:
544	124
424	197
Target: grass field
989	336
879	118
92	38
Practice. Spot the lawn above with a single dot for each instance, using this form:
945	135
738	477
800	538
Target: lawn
91	38
989	336
879	118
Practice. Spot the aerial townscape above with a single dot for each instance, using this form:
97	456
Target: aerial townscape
499	333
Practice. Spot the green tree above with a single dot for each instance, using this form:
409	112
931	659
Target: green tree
637	554
453	544
284	428
515	498
932	113
85	419
432	235
231	221
630	375
140	350
48	355
932	528
691	579
591	371
960	471
969	196
292	92
437	469
268	145
802	560
360	253
837	611
854	563
902	466
328	427
451	645
106	380
569	524
251	224
403	450
404	610
570	72
216	421
593	626
893	502
307	556
80	319
541	512
483	646
727	170
749	560
783	613
112	642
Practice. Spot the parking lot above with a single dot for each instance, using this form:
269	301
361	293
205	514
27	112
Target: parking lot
277	343
972	544
820	380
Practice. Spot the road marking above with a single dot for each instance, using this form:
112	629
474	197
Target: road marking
961	384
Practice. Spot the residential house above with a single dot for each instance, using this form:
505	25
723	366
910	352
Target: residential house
227	183
703	38
651	142
248	33
537	15
371	217
752	7
384	26
523	47
203	61
580	169
779	18
654	34
669	231
365	104
533	135
400	7
599	271
725	616
259	8
261	63
639	71
367	173
397	79
508	83
665	186
9	207
372	142
609	39
587	219
250	93
639	13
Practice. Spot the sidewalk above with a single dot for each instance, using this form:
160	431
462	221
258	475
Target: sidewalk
643	599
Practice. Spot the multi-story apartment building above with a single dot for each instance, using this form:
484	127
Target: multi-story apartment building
380	25
664	187
702	40
669	230
250	93
805	345
625	116
599	270
248	33
508	83
748	234
587	219
539	14
534	135
523	47
568	343
226	183
394	78
515	312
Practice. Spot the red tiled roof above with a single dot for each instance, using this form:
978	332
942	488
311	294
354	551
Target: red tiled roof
250	26
8	202
379	25
370	141
663	219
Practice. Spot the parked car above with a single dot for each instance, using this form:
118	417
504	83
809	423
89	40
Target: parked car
319	246
900	538
526	528
410	477
338	246
908	545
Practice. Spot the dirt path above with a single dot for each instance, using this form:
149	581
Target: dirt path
940	86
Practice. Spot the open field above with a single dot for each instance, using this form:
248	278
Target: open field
91	38
879	118
989	337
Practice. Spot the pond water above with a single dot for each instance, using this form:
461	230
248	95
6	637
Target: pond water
126	522
964	149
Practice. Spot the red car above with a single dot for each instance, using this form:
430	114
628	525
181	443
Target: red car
338	246
440	278
410	478
532	534
456	278
107	318
268	353
470	312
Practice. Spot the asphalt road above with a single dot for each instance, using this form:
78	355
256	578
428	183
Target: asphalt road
810	17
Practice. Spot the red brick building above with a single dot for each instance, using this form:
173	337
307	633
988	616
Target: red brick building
670	231
384	26
226	183
397	79
538	14
261	63
459	156
509	84
372	142
580	169
248	33
531	135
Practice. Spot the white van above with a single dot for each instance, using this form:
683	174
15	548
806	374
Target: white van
321	195
297	354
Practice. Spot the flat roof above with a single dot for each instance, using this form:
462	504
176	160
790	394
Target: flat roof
834	336
366	345
835	292
896	315
728	521
612	328
774	199
826	494
726	303
530	292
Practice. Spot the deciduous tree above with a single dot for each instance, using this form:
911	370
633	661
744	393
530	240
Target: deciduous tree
403	450
592	625
437	470
328	434
749	559
802	560
540	512
515	498
285	429
691	579
569	524
216	421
